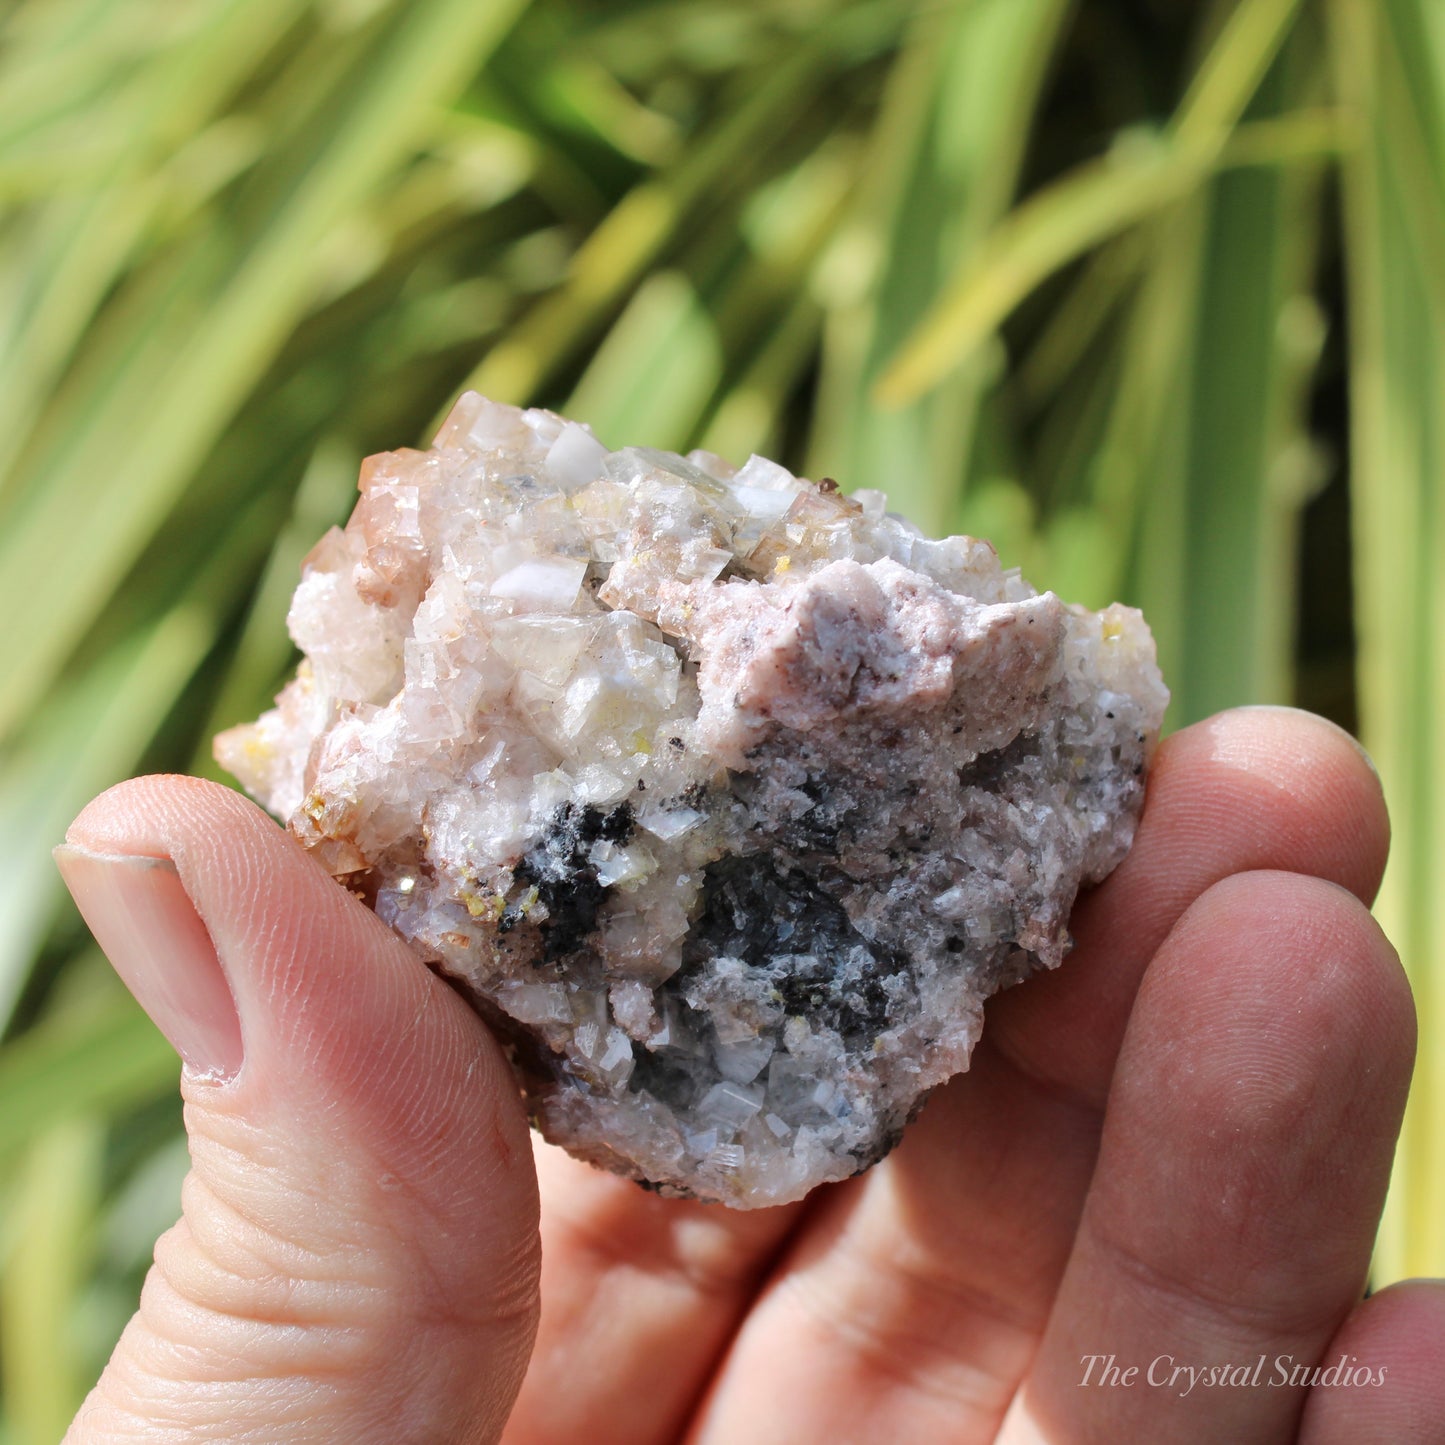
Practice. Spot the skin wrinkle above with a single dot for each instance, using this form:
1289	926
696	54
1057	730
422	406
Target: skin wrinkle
513	1303
422	1283
243	1302
1083	1129
259	1360
221	1255
223	1242
249	1252
221	1141
301	1400
291	1413
145	1412
1178	1295
510	1294
329	1245
1030	1073
163	1390
667	1260
918	1362
919	1272
321	1355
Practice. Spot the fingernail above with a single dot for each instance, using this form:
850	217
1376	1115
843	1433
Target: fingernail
155	940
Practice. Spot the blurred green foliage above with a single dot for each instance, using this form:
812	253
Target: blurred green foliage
1150	293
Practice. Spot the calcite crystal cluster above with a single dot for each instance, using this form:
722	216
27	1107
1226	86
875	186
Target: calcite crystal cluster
728	797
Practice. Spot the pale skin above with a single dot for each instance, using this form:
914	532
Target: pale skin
1177	1145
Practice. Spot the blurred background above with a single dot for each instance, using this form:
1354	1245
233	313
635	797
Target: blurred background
1149	292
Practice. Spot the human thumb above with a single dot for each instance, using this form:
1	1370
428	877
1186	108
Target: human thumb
357	1254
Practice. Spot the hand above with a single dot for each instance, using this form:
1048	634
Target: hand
1172	1150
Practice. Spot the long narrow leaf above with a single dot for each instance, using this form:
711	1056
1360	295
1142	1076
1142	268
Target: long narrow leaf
50	1224
942	169
1394	239
147	456
1095	202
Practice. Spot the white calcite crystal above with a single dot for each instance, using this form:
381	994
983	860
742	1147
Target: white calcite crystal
728	798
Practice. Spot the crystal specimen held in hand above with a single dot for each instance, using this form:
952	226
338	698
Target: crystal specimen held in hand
729	798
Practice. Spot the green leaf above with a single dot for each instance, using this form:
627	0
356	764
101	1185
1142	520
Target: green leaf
1390	67
48	1230
134	459
942	166
617	253
264	650
654	372
1094	202
91	735
100	1059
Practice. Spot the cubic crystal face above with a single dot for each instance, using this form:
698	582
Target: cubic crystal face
729	798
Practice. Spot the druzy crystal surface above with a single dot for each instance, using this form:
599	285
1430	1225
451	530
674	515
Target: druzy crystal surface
729	798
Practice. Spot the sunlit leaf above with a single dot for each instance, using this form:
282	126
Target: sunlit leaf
1095	202
1390	63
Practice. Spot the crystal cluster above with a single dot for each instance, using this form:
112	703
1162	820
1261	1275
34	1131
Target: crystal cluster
730	798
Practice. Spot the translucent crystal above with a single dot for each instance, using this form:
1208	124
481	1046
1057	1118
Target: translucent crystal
729	798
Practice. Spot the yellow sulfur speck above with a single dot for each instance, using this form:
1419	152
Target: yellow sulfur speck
783	563
479	907
641	743
1113	629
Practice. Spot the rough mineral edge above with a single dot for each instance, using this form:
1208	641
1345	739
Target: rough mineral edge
729	798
